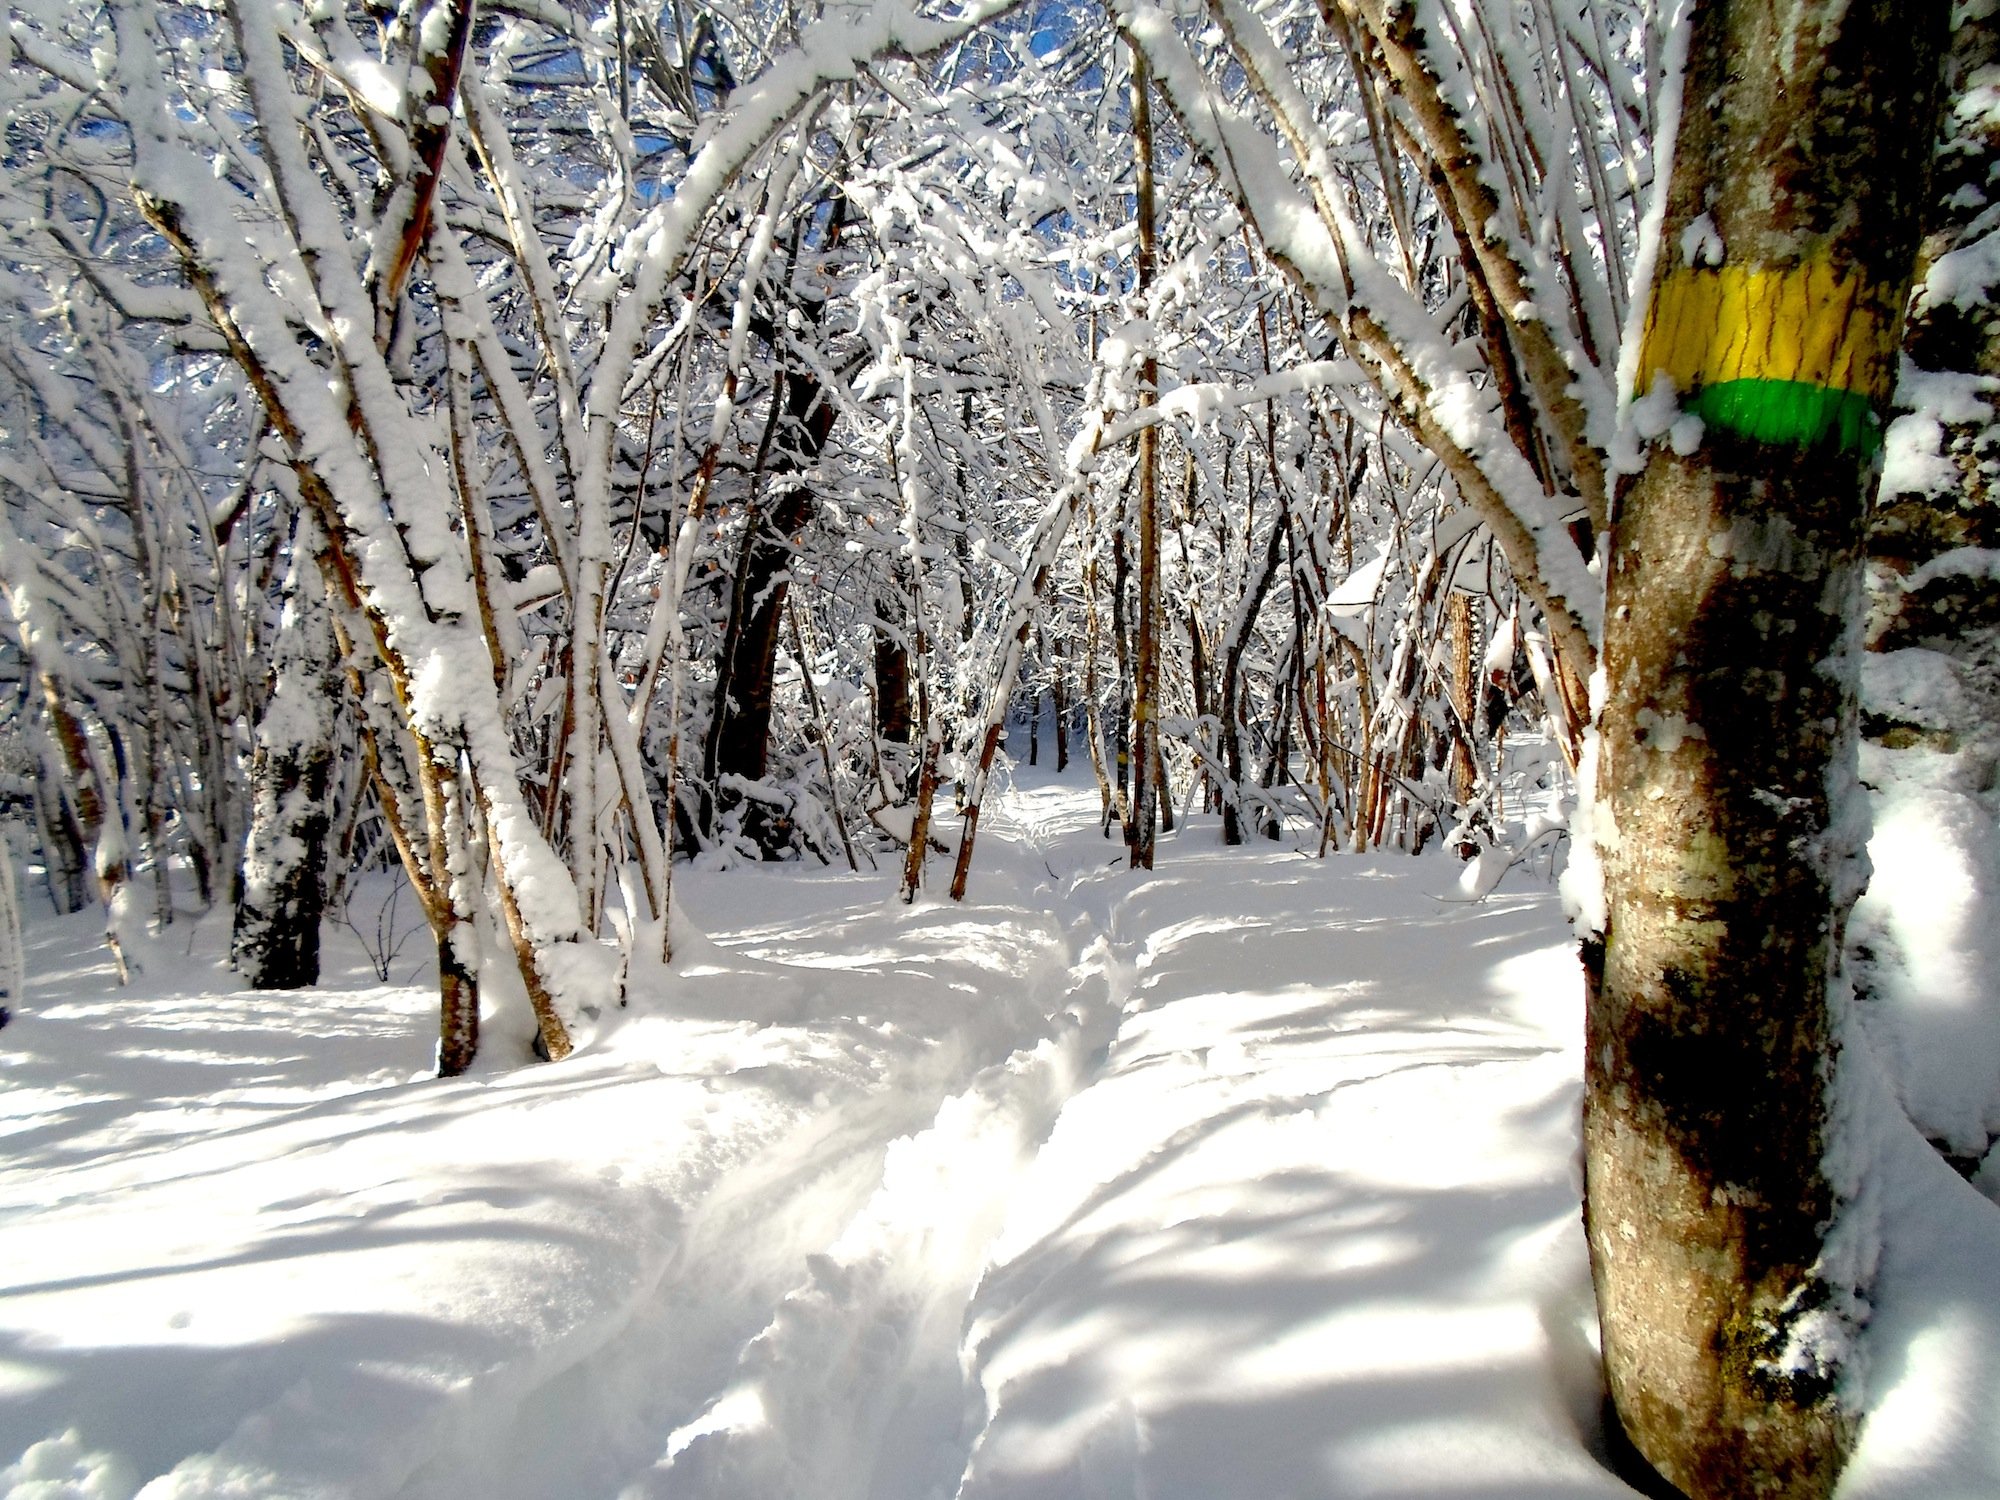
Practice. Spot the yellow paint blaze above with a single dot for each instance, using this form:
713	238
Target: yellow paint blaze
1808	325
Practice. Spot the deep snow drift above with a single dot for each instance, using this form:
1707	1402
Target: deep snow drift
1253	1177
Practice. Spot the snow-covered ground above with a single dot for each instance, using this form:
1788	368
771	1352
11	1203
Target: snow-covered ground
1255	1177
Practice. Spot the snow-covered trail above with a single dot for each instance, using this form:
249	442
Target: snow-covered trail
1306	1224
804	1338
794	1230
1312	1229
252	1251
853	1387
1252	1177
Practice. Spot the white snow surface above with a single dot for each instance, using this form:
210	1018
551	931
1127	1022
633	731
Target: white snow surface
1928	930
1253	1177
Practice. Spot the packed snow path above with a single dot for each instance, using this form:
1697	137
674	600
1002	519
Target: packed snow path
1253	1177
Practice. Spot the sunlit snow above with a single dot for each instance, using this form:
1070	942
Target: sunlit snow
1254	1177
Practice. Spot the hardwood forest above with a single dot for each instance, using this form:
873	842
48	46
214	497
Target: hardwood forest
520	452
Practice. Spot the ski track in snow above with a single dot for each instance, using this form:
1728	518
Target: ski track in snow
772	1167
1252	1177
1312	1229
855	1364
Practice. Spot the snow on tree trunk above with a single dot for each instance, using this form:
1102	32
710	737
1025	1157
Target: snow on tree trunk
1144	819
1937	488
64	865
739	740
1727	817
276	941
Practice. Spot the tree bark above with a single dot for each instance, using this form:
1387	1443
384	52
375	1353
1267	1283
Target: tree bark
1141	827
894	717
740	733
97	816
1725	793
65	864
1059	707
275	945
458	1007
1949	609
1231	694
1464	698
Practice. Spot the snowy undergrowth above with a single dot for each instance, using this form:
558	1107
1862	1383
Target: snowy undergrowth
1925	946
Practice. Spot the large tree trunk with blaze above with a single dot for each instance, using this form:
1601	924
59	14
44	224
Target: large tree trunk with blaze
1725	781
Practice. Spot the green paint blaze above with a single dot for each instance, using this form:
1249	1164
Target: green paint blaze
1791	412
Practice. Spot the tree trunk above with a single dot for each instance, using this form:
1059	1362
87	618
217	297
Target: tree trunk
1093	727
1059	706
458	1007
275	945
1725	783
65	864
1950	331
893	714
1464	699
1230	708
740	733
1141	827
97	816
1120	752
920	818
